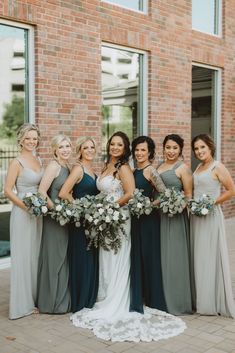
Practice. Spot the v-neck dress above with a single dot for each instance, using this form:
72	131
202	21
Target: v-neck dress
25	239
83	263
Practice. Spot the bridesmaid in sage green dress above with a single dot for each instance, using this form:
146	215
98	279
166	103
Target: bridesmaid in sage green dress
146	286
53	270
83	263
175	245
214	295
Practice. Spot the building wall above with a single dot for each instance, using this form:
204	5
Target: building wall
68	37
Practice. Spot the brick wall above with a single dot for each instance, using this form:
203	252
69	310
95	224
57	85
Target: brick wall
68	37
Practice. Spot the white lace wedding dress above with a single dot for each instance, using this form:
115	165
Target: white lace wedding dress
110	318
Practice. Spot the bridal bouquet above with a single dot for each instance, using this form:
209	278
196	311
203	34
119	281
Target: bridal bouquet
201	206
172	201
103	221
36	203
62	212
139	204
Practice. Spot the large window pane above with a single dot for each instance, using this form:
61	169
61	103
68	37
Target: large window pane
122	92
132	4
204	103
13	109
205	15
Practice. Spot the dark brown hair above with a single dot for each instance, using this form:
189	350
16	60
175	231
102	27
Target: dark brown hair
207	140
177	139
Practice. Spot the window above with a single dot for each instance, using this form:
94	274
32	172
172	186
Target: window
16	103
205	103
206	16
138	5
123	80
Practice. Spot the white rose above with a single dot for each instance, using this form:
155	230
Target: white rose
193	208
58	208
139	205
87	232
101	211
116	214
77	224
44	209
204	211
62	222
90	219
68	212
107	219
96	221
100	227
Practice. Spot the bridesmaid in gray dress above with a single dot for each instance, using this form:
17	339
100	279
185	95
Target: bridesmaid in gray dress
53	269
175	231
209	248
24	174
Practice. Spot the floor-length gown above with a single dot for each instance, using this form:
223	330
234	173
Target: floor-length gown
145	272
25	238
110	319
175	253
53	268
210	254
83	263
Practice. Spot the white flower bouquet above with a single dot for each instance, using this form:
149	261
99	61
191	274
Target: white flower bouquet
201	206
103	221
139	204
36	203
172	201
62	211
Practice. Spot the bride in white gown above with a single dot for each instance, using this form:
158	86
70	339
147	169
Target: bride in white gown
110	318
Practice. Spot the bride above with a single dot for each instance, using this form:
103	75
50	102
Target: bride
110	318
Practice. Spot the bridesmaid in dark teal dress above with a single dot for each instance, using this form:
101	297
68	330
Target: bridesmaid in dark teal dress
83	263
145	274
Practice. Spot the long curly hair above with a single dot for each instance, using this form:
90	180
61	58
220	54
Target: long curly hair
126	154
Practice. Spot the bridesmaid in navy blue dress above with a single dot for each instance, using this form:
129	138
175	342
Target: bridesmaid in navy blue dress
83	263
145	274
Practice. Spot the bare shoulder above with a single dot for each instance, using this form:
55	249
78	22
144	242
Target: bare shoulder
184	168
125	169
220	168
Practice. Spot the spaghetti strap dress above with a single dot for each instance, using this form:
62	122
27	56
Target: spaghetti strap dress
53	268
209	252
25	239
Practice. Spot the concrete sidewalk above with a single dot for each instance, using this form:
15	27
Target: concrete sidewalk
55	333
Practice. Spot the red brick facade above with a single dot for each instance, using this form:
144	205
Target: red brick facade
68	38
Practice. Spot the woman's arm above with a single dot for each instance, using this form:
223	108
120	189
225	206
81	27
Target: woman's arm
128	184
12	175
185	175
226	180
74	177
51	172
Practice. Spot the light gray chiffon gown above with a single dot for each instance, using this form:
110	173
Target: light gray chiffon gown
25	238
210	254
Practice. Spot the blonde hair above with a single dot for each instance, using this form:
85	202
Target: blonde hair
80	141
22	131
56	141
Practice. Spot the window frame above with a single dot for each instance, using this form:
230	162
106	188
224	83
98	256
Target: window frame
216	123
143	85
29	69
217	21
145	6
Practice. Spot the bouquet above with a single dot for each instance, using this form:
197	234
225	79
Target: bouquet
104	220
201	206
139	204
172	201
36	203
62	212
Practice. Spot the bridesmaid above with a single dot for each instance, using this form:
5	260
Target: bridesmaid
175	231
211	264
53	269
146	274
83	263
24	174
